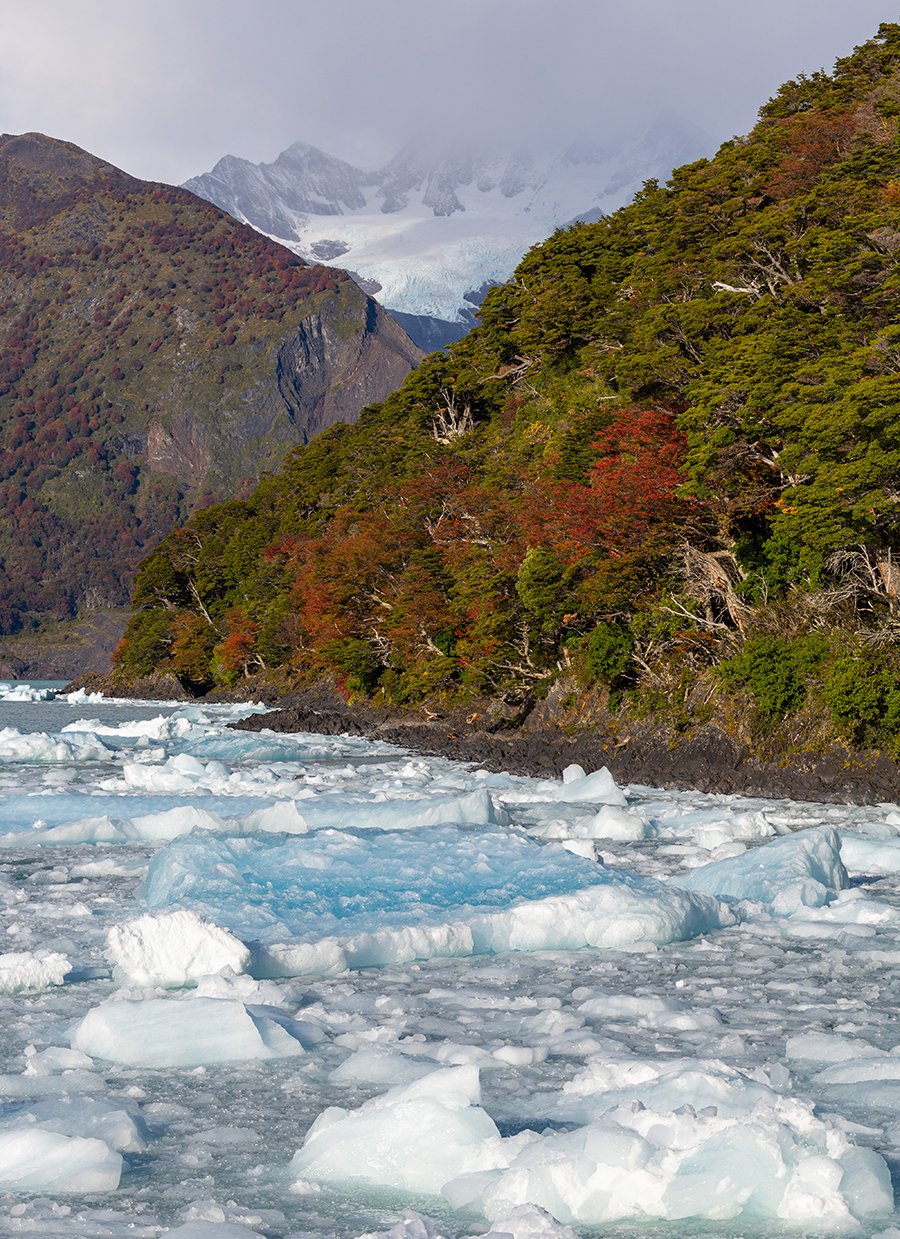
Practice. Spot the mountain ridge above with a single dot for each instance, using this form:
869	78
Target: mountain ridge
156	355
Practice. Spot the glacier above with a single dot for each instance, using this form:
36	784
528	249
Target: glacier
258	984
434	226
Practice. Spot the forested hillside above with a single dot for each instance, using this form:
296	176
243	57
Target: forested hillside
154	355
665	467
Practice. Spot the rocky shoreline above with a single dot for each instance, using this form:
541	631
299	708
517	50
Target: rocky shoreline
708	761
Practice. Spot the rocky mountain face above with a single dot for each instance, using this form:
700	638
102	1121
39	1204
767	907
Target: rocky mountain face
431	226
155	355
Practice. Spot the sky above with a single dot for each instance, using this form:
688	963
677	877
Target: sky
164	88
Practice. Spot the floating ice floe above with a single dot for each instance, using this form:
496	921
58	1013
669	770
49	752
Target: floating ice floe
12	691
868	854
192	1032
117	1126
41	748
596	788
802	870
774	1159
349	900
35	1160
81	697
175	949
31	970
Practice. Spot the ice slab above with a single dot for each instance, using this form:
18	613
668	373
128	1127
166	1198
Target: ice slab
864	854
372	898
800	870
413	1137
31	970
35	1160
191	1032
175	949
122	1130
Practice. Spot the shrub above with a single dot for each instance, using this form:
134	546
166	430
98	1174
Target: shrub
862	692
776	671
354	659
608	653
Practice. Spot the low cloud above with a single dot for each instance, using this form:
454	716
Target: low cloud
166	89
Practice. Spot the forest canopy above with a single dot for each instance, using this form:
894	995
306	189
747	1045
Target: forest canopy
670	450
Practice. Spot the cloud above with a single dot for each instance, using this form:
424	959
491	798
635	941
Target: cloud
165	89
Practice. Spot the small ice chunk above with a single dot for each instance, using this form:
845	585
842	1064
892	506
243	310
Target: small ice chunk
528	1222
190	1032
379	1066
828	1048
82	1116
30	970
34	1160
410	1226
282	817
613	822
173	949
201	1228
173	823
597	788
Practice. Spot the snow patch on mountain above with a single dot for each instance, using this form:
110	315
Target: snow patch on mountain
430	226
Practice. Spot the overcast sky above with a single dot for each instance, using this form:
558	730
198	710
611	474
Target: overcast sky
163	89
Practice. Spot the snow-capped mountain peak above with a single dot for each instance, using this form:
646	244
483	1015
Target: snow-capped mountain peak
435	223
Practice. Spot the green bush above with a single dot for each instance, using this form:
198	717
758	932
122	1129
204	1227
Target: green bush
146	644
776	671
355	660
862	692
608	653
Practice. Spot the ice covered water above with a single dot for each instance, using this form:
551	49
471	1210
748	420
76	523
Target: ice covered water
269	985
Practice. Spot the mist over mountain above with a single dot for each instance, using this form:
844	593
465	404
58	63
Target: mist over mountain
429	230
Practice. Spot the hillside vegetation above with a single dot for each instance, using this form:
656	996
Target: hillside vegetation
154	355
664	468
